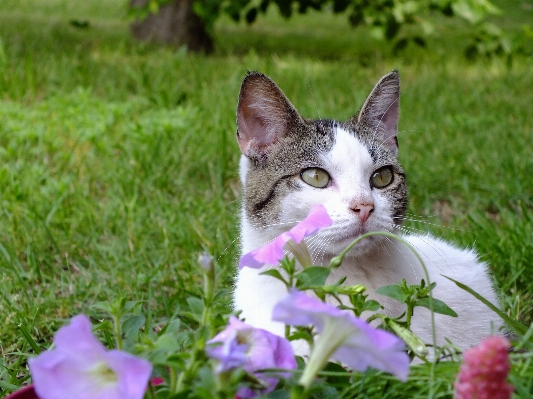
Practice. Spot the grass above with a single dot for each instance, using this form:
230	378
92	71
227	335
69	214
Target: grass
118	162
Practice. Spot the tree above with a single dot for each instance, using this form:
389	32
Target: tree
172	22
190	22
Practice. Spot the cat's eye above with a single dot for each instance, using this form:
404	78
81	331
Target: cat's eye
315	177
382	177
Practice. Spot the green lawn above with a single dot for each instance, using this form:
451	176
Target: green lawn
118	162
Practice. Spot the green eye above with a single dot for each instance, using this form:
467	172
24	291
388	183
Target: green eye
382	177
315	177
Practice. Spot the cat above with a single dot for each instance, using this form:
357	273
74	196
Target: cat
289	164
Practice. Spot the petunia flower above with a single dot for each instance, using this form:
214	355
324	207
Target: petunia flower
483	375
79	367
273	252
342	337
252	349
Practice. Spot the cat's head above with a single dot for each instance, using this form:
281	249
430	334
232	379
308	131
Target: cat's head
290	164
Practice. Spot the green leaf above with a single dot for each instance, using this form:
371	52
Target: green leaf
173	327
196	305
312	276
339	376
8	387
438	306
276	274
130	305
371	305
300	335
132	325
394	292
514	324
176	361
104	305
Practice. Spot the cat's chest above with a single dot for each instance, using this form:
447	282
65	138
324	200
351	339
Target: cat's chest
377	271
378	268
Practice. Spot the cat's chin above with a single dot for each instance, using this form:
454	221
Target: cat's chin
364	247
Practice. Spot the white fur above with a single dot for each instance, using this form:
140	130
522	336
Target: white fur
375	262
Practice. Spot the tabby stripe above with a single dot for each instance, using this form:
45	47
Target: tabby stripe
271	195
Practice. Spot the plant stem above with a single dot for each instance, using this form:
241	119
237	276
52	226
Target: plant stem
327	343
337	260
118	331
175	381
409	314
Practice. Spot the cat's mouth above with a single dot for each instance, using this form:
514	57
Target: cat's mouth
353	233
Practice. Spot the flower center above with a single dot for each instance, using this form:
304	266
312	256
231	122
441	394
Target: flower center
103	374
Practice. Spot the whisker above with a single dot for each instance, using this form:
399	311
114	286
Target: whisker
428	223
394	244
225	249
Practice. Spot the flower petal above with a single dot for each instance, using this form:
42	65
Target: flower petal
56	376
318	218
80	367
133	374
252	349
230	353
78	341
273	252
299	309
354	342
269	254
374	348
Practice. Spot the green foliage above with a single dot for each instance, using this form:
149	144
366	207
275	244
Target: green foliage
118	165
384	18
415	295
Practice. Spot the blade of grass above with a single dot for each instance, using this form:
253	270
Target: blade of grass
30	340
515	325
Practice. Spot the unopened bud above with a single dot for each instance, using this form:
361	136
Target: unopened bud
205	261
351	289
335	262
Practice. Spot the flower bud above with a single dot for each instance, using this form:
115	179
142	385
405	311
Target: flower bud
206	262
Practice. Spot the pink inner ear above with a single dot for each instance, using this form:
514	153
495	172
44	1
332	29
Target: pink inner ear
389	123
262	118
254	133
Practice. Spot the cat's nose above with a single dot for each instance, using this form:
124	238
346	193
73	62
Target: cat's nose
363	211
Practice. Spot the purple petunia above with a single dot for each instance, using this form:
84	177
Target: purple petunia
342	337
273	252
79	367
252	349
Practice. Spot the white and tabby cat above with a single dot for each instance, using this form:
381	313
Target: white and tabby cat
290	164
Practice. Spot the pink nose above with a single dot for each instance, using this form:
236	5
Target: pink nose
363	211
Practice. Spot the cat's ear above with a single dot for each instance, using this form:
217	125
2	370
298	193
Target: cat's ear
380	112
264	115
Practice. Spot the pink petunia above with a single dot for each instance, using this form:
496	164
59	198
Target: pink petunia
79	367
273	252
483	375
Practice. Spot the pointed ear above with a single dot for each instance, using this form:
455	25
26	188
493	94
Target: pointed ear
264	115
380	112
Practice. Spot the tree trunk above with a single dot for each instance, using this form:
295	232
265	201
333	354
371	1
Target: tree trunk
175	24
